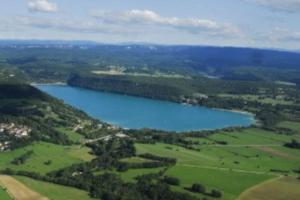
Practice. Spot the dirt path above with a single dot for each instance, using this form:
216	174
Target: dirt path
228	169
19	191
244	145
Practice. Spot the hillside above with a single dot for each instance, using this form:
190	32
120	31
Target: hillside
55	61
27	115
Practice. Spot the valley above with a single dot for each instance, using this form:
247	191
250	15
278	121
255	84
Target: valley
69	153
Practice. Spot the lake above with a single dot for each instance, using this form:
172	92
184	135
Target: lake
135	112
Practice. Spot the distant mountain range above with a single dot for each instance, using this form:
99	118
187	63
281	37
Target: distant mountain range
93	43
239	63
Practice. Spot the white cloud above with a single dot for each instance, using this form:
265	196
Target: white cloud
285	35
290	6
42	6
147	17
58	24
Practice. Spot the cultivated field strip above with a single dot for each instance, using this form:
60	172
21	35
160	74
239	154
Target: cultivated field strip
18	191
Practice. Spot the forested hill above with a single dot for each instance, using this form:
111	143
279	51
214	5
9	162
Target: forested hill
27	115
21	91
56	60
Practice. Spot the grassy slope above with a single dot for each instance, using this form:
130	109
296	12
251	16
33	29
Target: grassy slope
277	189
129	175
61	156
4	195
295	126
54	191
72	135
265	100
198	167
243	163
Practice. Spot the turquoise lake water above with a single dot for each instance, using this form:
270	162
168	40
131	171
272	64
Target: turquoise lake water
135	112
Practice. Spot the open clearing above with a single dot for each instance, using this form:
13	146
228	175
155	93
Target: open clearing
138	74
276	189
266	100
60	156
18	190
54	191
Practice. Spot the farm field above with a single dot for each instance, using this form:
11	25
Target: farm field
60	157
54	191
266	100
276	189
246	137
251	156
18	190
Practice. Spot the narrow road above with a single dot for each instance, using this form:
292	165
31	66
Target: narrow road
97	139
228	169
244	145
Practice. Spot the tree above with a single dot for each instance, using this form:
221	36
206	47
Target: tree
216	193
171	180
196	187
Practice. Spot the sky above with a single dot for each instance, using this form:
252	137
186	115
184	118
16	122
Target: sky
248	23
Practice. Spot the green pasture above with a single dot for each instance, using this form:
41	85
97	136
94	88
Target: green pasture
250	158
54	191
3	194
60	157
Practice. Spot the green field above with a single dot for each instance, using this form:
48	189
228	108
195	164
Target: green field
54	191
4	195
295	126
129	175
266	100
249	158
135	160
72	135
60	156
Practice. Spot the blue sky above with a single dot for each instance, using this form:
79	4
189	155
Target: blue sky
255	23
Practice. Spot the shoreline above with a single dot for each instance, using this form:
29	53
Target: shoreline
54	83
184	104
251	116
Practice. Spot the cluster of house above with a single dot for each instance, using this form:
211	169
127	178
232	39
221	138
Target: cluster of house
11	129
196	97
4	146
18	131
117	135
82	124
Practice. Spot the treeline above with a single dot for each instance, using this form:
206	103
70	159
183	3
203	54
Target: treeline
110	186
199	188
294	144
199	91
124	85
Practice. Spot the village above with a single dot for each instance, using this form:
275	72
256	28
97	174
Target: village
11	129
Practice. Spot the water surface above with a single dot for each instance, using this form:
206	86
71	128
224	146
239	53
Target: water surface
135	112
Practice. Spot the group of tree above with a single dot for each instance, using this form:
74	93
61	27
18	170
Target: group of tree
294	144
199	188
